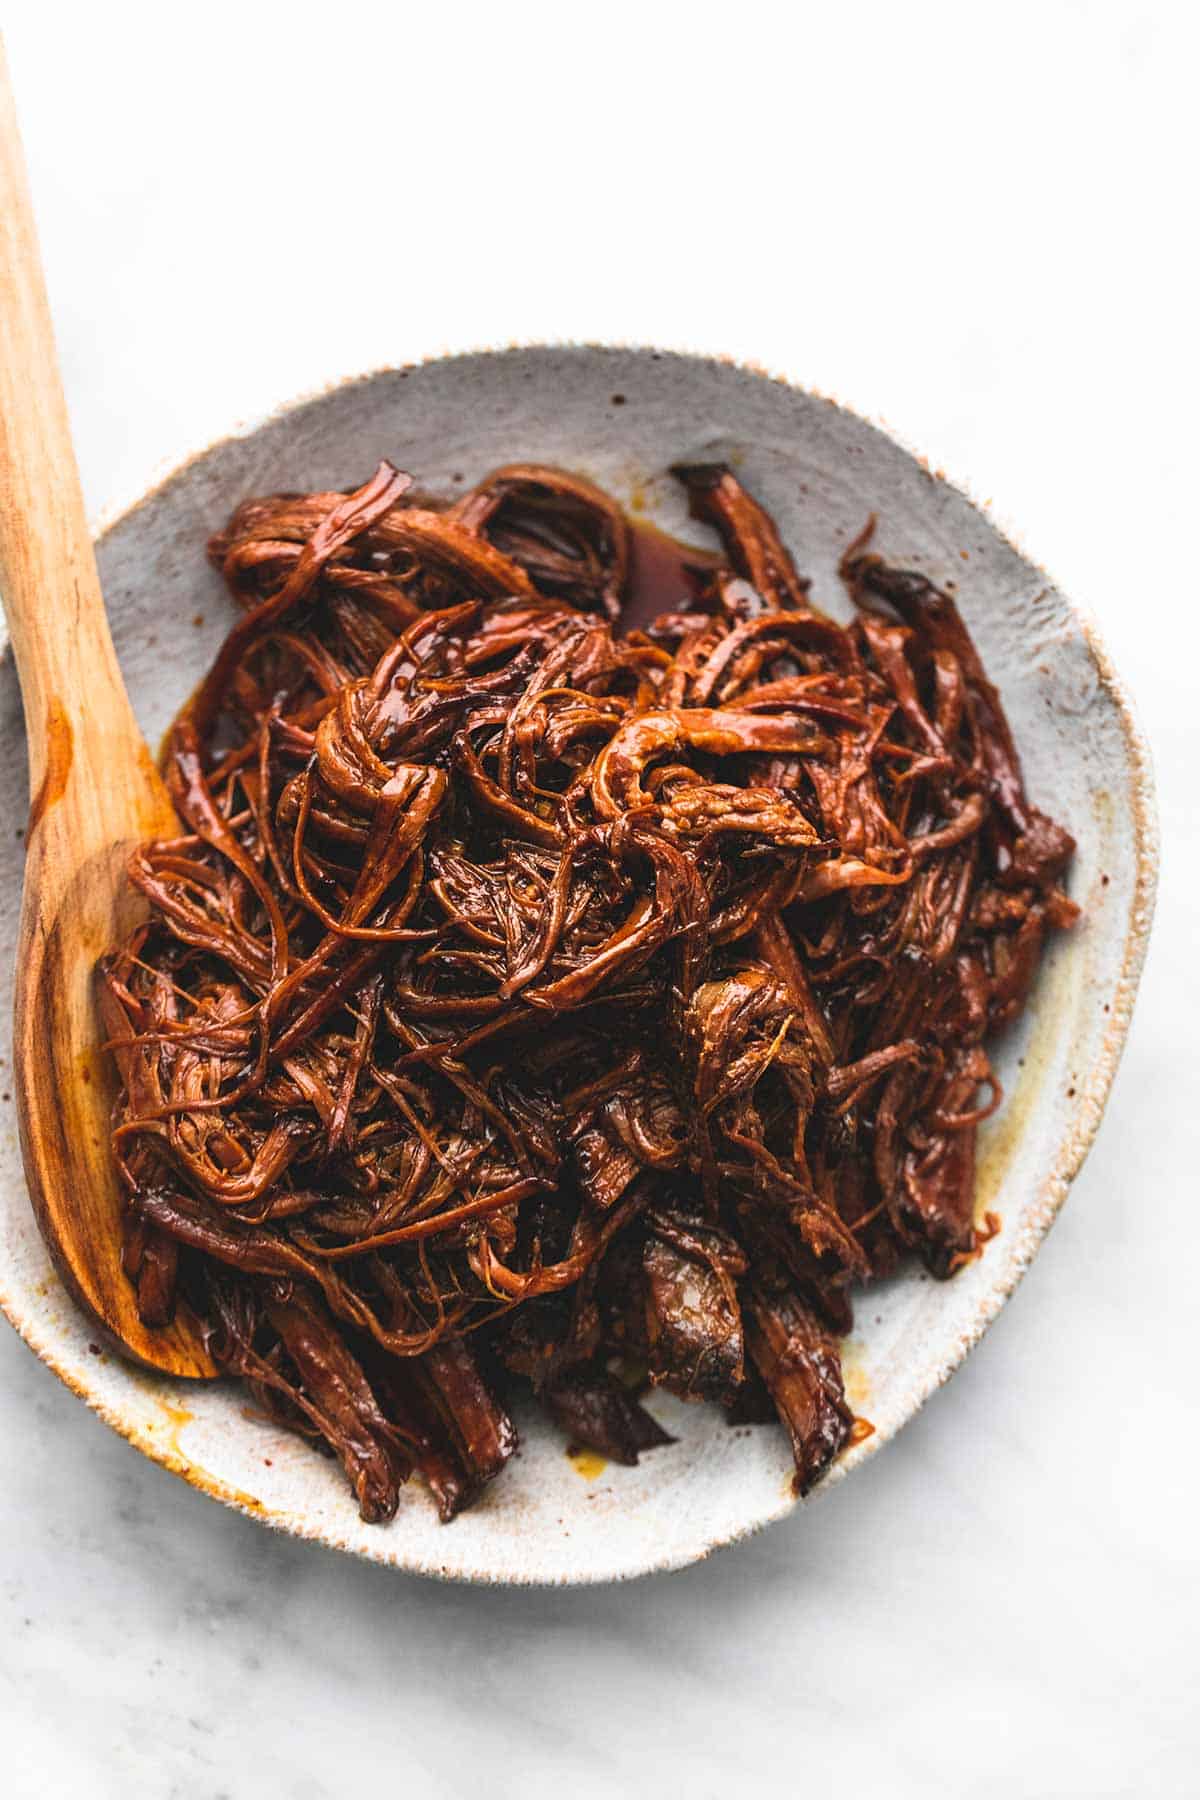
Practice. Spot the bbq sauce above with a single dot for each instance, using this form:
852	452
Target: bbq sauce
665	575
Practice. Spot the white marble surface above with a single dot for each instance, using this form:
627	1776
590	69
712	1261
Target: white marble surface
973	222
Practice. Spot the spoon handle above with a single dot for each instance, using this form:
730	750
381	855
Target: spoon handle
95	792
48	578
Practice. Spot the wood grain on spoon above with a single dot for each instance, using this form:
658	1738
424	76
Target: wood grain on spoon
95	793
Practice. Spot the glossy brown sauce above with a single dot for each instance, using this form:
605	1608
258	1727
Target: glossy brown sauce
665	575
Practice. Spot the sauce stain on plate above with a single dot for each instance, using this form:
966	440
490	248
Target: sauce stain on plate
588	1463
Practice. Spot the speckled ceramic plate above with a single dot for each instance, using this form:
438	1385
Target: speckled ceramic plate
622	416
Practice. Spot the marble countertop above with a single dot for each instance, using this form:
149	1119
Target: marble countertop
972	223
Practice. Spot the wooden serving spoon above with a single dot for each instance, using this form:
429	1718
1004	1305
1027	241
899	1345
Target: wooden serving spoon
95	792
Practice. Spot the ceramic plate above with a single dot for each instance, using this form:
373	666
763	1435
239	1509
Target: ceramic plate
623	416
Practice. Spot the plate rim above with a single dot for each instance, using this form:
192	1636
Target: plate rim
1073	1147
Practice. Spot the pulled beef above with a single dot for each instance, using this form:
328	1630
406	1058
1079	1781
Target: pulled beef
547	973
593	1407
800	1366
693	1315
